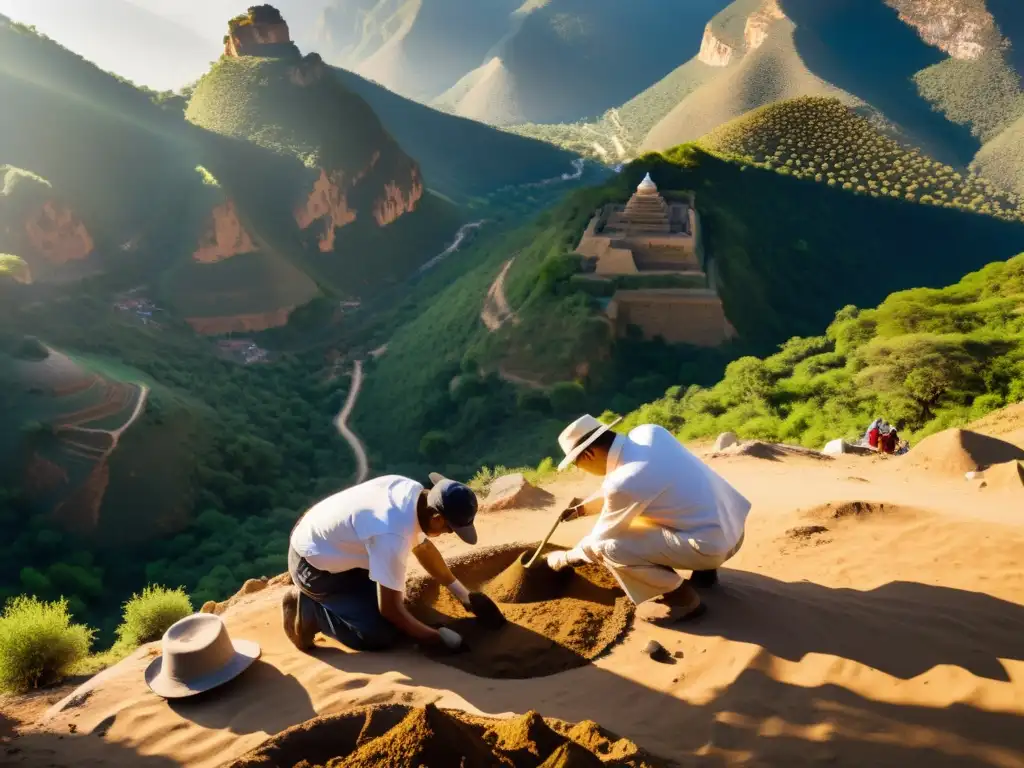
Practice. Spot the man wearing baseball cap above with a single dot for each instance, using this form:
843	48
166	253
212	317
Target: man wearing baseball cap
348	555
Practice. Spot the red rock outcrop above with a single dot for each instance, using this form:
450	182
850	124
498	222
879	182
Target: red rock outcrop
397	201
262	25
328	201
964	30
224	236
214	326
57	234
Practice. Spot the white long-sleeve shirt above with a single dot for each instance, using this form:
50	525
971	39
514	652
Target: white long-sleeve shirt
651	474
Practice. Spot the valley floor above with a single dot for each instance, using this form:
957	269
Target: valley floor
889	635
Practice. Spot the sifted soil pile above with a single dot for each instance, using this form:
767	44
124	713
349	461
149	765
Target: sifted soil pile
404	737
958	451
556	621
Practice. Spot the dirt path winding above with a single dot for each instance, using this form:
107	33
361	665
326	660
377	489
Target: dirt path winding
341	422
496	311
113	434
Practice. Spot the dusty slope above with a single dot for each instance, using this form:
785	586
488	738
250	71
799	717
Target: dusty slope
770	73
888	637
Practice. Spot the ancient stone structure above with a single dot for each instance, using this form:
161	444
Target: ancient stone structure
645	235
661	241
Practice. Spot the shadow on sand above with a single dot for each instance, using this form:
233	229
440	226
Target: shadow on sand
902	629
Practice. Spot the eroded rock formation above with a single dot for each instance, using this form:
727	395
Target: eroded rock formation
327	201
755	32
715	52
57	235
964	30
224	236
397	201
247	34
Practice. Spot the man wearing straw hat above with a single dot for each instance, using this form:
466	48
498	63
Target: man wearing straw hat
661	509
348	555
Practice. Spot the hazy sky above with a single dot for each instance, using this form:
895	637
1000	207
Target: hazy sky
163	44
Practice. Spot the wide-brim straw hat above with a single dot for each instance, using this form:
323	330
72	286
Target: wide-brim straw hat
579	436
198	655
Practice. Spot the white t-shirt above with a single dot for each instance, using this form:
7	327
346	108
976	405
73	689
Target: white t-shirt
652	474
372	525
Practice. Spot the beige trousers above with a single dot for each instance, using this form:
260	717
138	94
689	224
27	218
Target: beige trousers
644	559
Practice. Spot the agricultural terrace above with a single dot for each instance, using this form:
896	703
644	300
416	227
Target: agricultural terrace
820	139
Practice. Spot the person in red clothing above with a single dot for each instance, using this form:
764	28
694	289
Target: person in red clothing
887	439
873	433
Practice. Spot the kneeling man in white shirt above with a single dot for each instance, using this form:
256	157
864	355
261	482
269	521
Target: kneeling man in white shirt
661	509
348	556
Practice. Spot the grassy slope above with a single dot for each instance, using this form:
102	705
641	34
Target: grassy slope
460	158
823	140
925	359
1002	158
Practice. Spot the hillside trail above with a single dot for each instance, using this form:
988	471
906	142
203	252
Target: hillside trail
872	617
496	310
113	434
341	422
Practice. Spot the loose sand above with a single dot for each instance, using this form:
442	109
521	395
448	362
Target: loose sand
410	737
890	638
958	451
556	621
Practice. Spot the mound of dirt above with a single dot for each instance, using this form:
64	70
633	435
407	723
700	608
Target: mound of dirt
958	451
770	451
1008	476
515	491
839	510
556	621
406	737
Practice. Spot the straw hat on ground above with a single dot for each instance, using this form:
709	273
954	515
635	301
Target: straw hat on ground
197	656
579	436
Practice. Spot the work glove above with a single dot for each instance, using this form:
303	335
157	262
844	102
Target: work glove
572	511
558	561
452	640
481	606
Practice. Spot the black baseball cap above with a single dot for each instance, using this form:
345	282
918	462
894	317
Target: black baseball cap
456	503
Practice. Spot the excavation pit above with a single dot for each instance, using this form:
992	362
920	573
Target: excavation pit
556	621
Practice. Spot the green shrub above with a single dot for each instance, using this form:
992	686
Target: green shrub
38	643
567	397
148	615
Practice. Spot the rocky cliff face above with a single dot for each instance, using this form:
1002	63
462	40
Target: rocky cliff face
57	235
962	28
249	33
224	236
328	203
716	52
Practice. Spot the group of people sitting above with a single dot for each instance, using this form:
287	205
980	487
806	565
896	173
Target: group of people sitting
883	437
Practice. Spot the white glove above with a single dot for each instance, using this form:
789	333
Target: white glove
458	589
557	561
451	638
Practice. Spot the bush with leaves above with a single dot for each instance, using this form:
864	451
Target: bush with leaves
925	359
149	614
38	643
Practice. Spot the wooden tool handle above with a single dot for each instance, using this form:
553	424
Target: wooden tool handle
529	563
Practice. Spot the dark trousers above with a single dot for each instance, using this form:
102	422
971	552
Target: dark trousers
346	605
